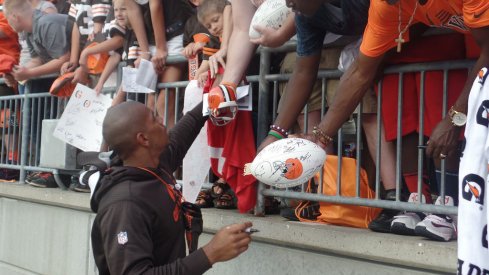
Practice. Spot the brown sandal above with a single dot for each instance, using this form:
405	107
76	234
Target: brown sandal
227	200
204	199
219	188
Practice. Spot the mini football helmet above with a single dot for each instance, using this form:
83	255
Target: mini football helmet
222	104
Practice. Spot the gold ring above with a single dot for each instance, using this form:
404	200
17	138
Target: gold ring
442	156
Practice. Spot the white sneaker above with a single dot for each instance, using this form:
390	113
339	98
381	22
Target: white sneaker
405	223
438	227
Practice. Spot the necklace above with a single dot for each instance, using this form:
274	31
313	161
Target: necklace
400	40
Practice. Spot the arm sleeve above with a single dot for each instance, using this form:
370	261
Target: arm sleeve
309	38
382	28
6	29
72	12
181	138
125	230
476	13
116	30
100	10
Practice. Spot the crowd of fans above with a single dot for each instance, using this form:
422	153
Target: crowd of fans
46	37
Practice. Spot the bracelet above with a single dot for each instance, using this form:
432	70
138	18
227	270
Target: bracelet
275	134
280	130
321	136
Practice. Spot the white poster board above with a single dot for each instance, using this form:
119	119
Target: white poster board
139	80
81	122
196	163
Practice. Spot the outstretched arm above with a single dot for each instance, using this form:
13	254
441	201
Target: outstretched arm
182	135
240	49
444	138
353	85
297	92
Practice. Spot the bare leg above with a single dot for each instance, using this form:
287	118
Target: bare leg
171	74
240	49
387	152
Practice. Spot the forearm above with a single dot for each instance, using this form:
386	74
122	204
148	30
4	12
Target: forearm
135	19
108	45
75	44
204	67
50	67
110	66
483	41
34	62
158	21
288	29
227	28
182	136
352	87
240	49
298	90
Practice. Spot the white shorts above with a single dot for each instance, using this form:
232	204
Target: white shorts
174	46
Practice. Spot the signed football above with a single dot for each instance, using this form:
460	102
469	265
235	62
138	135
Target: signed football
287	162
272	14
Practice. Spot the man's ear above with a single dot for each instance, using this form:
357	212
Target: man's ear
142	139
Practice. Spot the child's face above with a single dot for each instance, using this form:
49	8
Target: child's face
14	21
120	13
214	23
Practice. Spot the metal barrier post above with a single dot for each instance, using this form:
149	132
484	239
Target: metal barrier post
25	131
263	119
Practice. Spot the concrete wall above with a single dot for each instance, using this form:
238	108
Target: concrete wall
47	231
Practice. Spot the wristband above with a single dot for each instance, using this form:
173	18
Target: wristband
275	134
280	130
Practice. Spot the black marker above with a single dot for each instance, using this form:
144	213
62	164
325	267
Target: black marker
250	230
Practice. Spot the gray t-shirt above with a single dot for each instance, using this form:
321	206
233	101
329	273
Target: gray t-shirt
25	55
50	37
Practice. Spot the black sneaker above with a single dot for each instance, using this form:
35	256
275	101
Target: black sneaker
289	214
9	175
80	182
43	180
383	222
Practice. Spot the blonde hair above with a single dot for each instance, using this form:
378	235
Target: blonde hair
209	7
17	6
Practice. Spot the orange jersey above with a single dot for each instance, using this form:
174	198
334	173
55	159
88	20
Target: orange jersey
383	20
10	44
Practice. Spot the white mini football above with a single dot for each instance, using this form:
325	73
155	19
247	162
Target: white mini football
287	162
271	13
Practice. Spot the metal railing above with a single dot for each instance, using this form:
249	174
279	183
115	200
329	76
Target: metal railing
21	138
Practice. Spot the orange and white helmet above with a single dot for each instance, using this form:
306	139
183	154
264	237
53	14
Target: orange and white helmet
222	104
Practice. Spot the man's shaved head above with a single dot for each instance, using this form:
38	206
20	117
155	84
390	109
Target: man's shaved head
121	125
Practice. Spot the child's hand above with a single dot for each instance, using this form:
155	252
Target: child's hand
68	67
21	73
159	60
188	50
9	80
80	76
142	55
98	88
215	60
201	79
198	47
